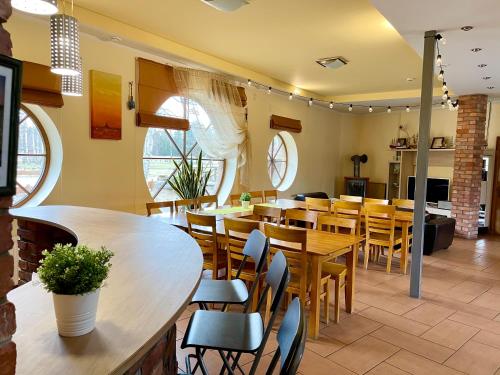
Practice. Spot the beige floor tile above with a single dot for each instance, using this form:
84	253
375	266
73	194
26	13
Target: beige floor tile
450	334
467	291
414	344
462	307
324	345
387	303
262	367
386	369
395	321
489	300
476	321
487	338
417	365
351	329
429	313
313	363
364	354
475	358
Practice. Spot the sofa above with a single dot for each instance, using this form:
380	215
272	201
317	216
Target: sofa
317	194
438	233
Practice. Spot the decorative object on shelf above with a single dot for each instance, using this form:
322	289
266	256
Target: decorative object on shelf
450	142
438	142
131	101
191	180
64	43
73	85
402	143
10	92
74	275
245	200
105	105
41	7
413	141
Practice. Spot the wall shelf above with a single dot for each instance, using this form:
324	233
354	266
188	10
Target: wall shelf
415	150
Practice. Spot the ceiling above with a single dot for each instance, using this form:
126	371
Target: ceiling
412	18
283	38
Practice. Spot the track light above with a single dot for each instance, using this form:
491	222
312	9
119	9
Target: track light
443	105
441	75
350	107
389	110
331	105
249	82
448	100
310	102
290	97
439	60
444	88
269	89
370	109
407	108
445	95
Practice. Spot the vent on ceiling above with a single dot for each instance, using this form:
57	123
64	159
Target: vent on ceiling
332	62
226	5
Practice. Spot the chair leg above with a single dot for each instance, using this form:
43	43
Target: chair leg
267	314
366	255
389	259
326	302
337	299
255	297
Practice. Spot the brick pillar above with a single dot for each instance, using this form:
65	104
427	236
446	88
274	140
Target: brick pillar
469	149
7	310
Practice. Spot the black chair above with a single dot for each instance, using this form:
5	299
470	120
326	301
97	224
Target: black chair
234	291
233	334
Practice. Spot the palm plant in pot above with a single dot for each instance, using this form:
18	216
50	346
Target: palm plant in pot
74	275
191	179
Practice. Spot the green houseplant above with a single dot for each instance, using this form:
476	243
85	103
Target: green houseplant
74	275
245	199
191	179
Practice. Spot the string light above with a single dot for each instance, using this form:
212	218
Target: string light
269	89
389	110
310	102
444	88
448	100
439	60
441	75
249	82
290	97
370	109
443	105
350	107
445	95
407	108
331	105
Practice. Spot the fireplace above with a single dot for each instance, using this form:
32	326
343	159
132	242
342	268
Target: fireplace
356	186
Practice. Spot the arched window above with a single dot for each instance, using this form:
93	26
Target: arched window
277	158
163	146
32	158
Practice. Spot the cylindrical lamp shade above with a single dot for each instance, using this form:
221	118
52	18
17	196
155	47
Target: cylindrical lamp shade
42	7
64	45
73	85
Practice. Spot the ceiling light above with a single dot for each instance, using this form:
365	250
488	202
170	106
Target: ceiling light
310	102
64	45
42	7
444	88
441	75
389	110
439	60
407	108
269	89
350	107
466	28
476	49
115	38
443	105
486	78
290	97
249	82
331	105
482	65
410	79
490	87
72	85
332	62
370	109
445	95
226	5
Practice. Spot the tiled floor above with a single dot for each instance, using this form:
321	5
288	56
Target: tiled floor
453	329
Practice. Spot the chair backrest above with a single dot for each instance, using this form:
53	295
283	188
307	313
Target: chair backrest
375	201
291	338
266	213
348	210
295	215
380	219
270	194
404	203
203	229
157	205
318	204
208	200
187	203
351	198
336	224
256	197
295	241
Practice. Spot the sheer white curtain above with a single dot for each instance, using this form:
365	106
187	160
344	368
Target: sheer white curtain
224	134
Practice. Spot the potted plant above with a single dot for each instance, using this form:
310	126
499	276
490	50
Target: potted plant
74	275
245	199
191	179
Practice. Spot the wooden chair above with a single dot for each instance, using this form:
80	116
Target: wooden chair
237	231
208	201
336	271
203	229
309	218
257	197
351	198
157	205
381	232
265	213
404	203
375	201
348	210
297	263
187	203
273	194
318	204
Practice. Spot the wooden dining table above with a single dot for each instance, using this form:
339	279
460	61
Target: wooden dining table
322	246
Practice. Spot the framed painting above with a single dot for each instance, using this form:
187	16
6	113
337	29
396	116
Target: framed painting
10	94
105	105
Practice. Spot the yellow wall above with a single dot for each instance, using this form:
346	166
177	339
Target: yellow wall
109	174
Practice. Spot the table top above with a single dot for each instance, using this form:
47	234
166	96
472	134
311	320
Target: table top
156	269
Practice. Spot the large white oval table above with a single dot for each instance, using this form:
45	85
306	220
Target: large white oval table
155	271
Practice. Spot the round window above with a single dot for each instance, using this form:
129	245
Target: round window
282	161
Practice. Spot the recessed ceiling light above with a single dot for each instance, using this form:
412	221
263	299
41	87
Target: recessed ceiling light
490	87
332	62
410	79
476	49
485	78
466	28
482	65
115	38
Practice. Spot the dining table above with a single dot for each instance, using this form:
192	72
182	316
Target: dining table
322	246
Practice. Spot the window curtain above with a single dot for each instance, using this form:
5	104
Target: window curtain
225	136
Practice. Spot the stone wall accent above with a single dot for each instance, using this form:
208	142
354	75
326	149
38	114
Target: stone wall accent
33	239
469	149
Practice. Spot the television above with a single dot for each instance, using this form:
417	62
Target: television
438	189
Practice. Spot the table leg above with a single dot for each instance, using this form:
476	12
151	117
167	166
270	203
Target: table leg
315	299
349	282
404	247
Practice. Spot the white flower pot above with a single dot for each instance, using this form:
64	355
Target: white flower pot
75	314
245	204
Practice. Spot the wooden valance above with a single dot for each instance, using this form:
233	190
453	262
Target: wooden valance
285	123
41	86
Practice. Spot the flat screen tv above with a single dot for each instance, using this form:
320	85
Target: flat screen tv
438	189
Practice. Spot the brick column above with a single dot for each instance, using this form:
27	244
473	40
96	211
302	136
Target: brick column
469	149
7	310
